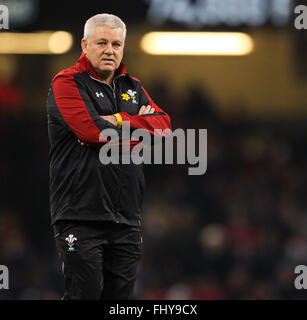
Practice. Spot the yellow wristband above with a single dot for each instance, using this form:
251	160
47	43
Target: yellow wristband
119	119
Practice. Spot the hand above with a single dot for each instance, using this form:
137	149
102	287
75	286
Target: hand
83	143
112	119
146	110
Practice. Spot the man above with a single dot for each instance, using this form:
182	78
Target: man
95	208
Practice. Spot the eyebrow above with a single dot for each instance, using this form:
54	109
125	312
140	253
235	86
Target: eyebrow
103	39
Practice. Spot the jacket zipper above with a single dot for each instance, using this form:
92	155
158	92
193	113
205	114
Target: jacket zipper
113	90
121	174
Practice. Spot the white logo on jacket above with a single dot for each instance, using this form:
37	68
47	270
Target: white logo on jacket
132	94
70	240
99	94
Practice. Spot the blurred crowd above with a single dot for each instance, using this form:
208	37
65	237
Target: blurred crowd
236	232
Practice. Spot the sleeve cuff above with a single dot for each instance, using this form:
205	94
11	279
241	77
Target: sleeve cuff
119	119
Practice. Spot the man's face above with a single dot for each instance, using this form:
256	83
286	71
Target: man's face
105	48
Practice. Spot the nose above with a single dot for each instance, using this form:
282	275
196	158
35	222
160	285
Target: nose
109	48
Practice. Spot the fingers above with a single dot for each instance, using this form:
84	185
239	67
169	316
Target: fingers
82	143
141	111
146	110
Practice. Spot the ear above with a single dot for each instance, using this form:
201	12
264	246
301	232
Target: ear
84	46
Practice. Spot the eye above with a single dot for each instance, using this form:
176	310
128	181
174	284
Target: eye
101	43
116	45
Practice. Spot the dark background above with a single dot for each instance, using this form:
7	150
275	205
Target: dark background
236	232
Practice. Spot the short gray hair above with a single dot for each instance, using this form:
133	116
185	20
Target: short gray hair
103	19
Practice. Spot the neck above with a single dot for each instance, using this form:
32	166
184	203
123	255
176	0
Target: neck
106	77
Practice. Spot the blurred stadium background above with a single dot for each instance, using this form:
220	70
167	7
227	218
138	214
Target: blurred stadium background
236	232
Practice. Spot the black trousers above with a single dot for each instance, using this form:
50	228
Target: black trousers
99	260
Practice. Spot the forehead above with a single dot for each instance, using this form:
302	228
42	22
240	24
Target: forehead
111	34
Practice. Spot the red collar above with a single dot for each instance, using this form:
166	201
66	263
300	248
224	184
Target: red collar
83	64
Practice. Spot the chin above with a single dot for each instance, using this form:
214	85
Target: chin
109	68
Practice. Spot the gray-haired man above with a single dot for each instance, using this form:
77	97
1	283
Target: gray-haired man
95	208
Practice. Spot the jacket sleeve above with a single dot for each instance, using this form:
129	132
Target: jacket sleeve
150	122
77	109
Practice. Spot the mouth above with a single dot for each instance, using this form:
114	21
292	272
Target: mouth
108	60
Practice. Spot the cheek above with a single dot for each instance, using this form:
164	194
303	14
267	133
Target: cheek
96	56
119	57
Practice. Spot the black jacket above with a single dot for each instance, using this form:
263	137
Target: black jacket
81	187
